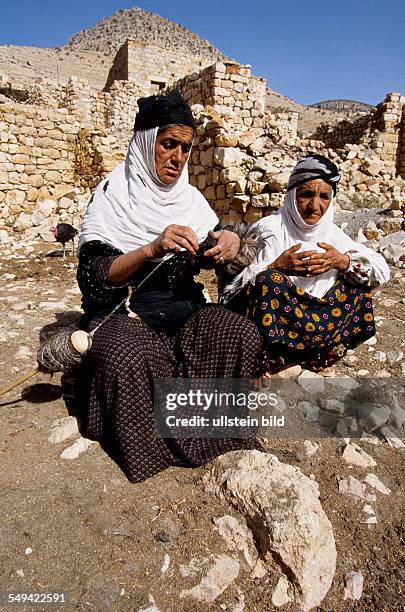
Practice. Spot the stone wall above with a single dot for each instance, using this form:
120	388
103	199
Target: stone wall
37	154
64	139
380	129
401	148
227	87
152	67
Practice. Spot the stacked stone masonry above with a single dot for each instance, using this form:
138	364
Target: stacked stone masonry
63	140
152	67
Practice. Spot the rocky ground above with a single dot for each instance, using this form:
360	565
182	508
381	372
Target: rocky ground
182	540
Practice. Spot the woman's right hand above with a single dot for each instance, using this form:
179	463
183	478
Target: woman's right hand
174	238
292	263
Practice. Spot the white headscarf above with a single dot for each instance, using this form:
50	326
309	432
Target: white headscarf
286	228
132	206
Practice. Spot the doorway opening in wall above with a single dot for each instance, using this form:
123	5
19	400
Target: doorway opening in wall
157	86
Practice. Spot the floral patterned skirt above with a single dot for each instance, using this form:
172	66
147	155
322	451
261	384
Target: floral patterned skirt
302	329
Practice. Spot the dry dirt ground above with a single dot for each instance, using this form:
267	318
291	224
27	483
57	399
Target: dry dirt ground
77	526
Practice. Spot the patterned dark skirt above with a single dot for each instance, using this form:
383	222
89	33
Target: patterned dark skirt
302	329
116	384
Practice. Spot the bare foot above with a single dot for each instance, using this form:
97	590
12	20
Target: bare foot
263	382
329	372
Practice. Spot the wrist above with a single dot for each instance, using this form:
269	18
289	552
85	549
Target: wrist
345	263
148	250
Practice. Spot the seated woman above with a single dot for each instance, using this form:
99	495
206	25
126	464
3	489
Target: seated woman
143	211
308	290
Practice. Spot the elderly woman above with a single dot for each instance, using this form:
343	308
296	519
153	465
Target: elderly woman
309	287
142	212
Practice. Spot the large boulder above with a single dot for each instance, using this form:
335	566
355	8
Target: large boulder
282	508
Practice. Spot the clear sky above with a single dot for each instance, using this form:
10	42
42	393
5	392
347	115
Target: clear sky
309	51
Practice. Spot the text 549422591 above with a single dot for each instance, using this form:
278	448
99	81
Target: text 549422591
20	597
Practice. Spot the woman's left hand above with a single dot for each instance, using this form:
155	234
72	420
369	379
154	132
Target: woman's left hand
332	259
226	248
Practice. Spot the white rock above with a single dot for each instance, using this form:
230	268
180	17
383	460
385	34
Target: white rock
281	595
368	509
23	222
228	156
290	372
354	582
363	372
373	415
371	520
373	481
311	381
52	306
20	573
151	607
344	382
365	437
371	341
23	352
380	356
77	448
62	429
395	356
4	237
46	207
238	538
219	576
193	568
283	511
306	450
165	565
391	438
383	374
352	487
332	405
310	411
370	497
28	551
388	303
354	455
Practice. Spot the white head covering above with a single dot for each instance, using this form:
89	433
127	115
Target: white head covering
132	206
286	228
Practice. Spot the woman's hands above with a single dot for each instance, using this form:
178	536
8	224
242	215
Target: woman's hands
310	263
332	259
226	248
174	238
177	237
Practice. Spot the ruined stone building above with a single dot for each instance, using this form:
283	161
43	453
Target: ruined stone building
59	138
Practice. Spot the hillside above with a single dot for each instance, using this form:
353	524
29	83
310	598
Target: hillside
350	106
111	32
310	117
22	66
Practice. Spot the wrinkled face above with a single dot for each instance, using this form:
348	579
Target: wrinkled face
172	149
313	199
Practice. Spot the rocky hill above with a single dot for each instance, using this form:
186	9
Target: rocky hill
349	106
111	32
310	117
